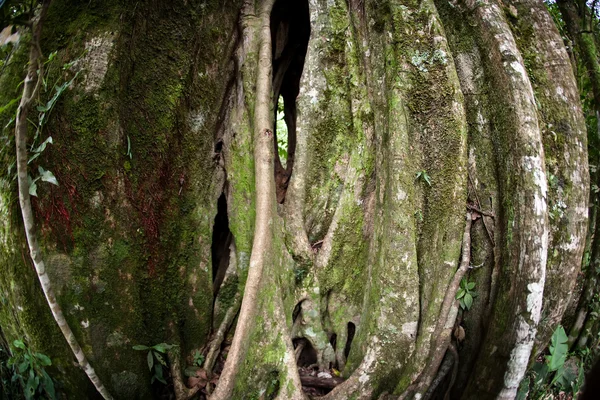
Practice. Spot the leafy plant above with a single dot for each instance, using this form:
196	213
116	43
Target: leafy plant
9	388
423	176
198	358
466	294
282	133
29	370
44	111
419	215
45	176
558	371
156	359
558	349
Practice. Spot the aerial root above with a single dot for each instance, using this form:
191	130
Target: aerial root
182	392
450	363
441	337
215	344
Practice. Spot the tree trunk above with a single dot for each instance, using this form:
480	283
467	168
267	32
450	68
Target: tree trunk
176	221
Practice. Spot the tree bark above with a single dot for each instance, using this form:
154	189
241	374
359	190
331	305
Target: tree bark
31	87
403	115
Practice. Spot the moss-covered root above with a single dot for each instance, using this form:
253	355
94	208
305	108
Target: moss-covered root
182	392
442	335
30	88
308	325
523	236
565	147
262	247
437	126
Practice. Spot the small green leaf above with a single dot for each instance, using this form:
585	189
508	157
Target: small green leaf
8	105
160	358
158	373
460	294
163	347
23	366
47	176
471	285
141	347
32	186
19	344
468	301
30	387
43	359
427	178
558	349
150	360
49	385
523	389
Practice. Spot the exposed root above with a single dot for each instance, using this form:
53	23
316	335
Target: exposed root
215	344
443	332
450	363
452	349
182	392
265	204
298	350
308	325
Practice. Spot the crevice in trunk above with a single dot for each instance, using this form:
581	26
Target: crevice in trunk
351	331
221	240
307	354
290	31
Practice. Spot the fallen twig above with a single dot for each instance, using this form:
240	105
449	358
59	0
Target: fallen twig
324	383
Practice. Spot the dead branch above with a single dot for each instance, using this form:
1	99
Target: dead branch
323	383
481	212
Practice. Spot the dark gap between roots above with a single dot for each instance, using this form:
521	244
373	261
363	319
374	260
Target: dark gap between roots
296	311
290	31
308	354
221	239
351	331
333	341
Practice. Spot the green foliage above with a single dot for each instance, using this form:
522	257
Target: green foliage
558	349
28	368
282	133
156	359
9	388
198	359
558	372
419	215
466	294
423	176
44	109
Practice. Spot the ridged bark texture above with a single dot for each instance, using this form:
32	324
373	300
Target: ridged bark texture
405	115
